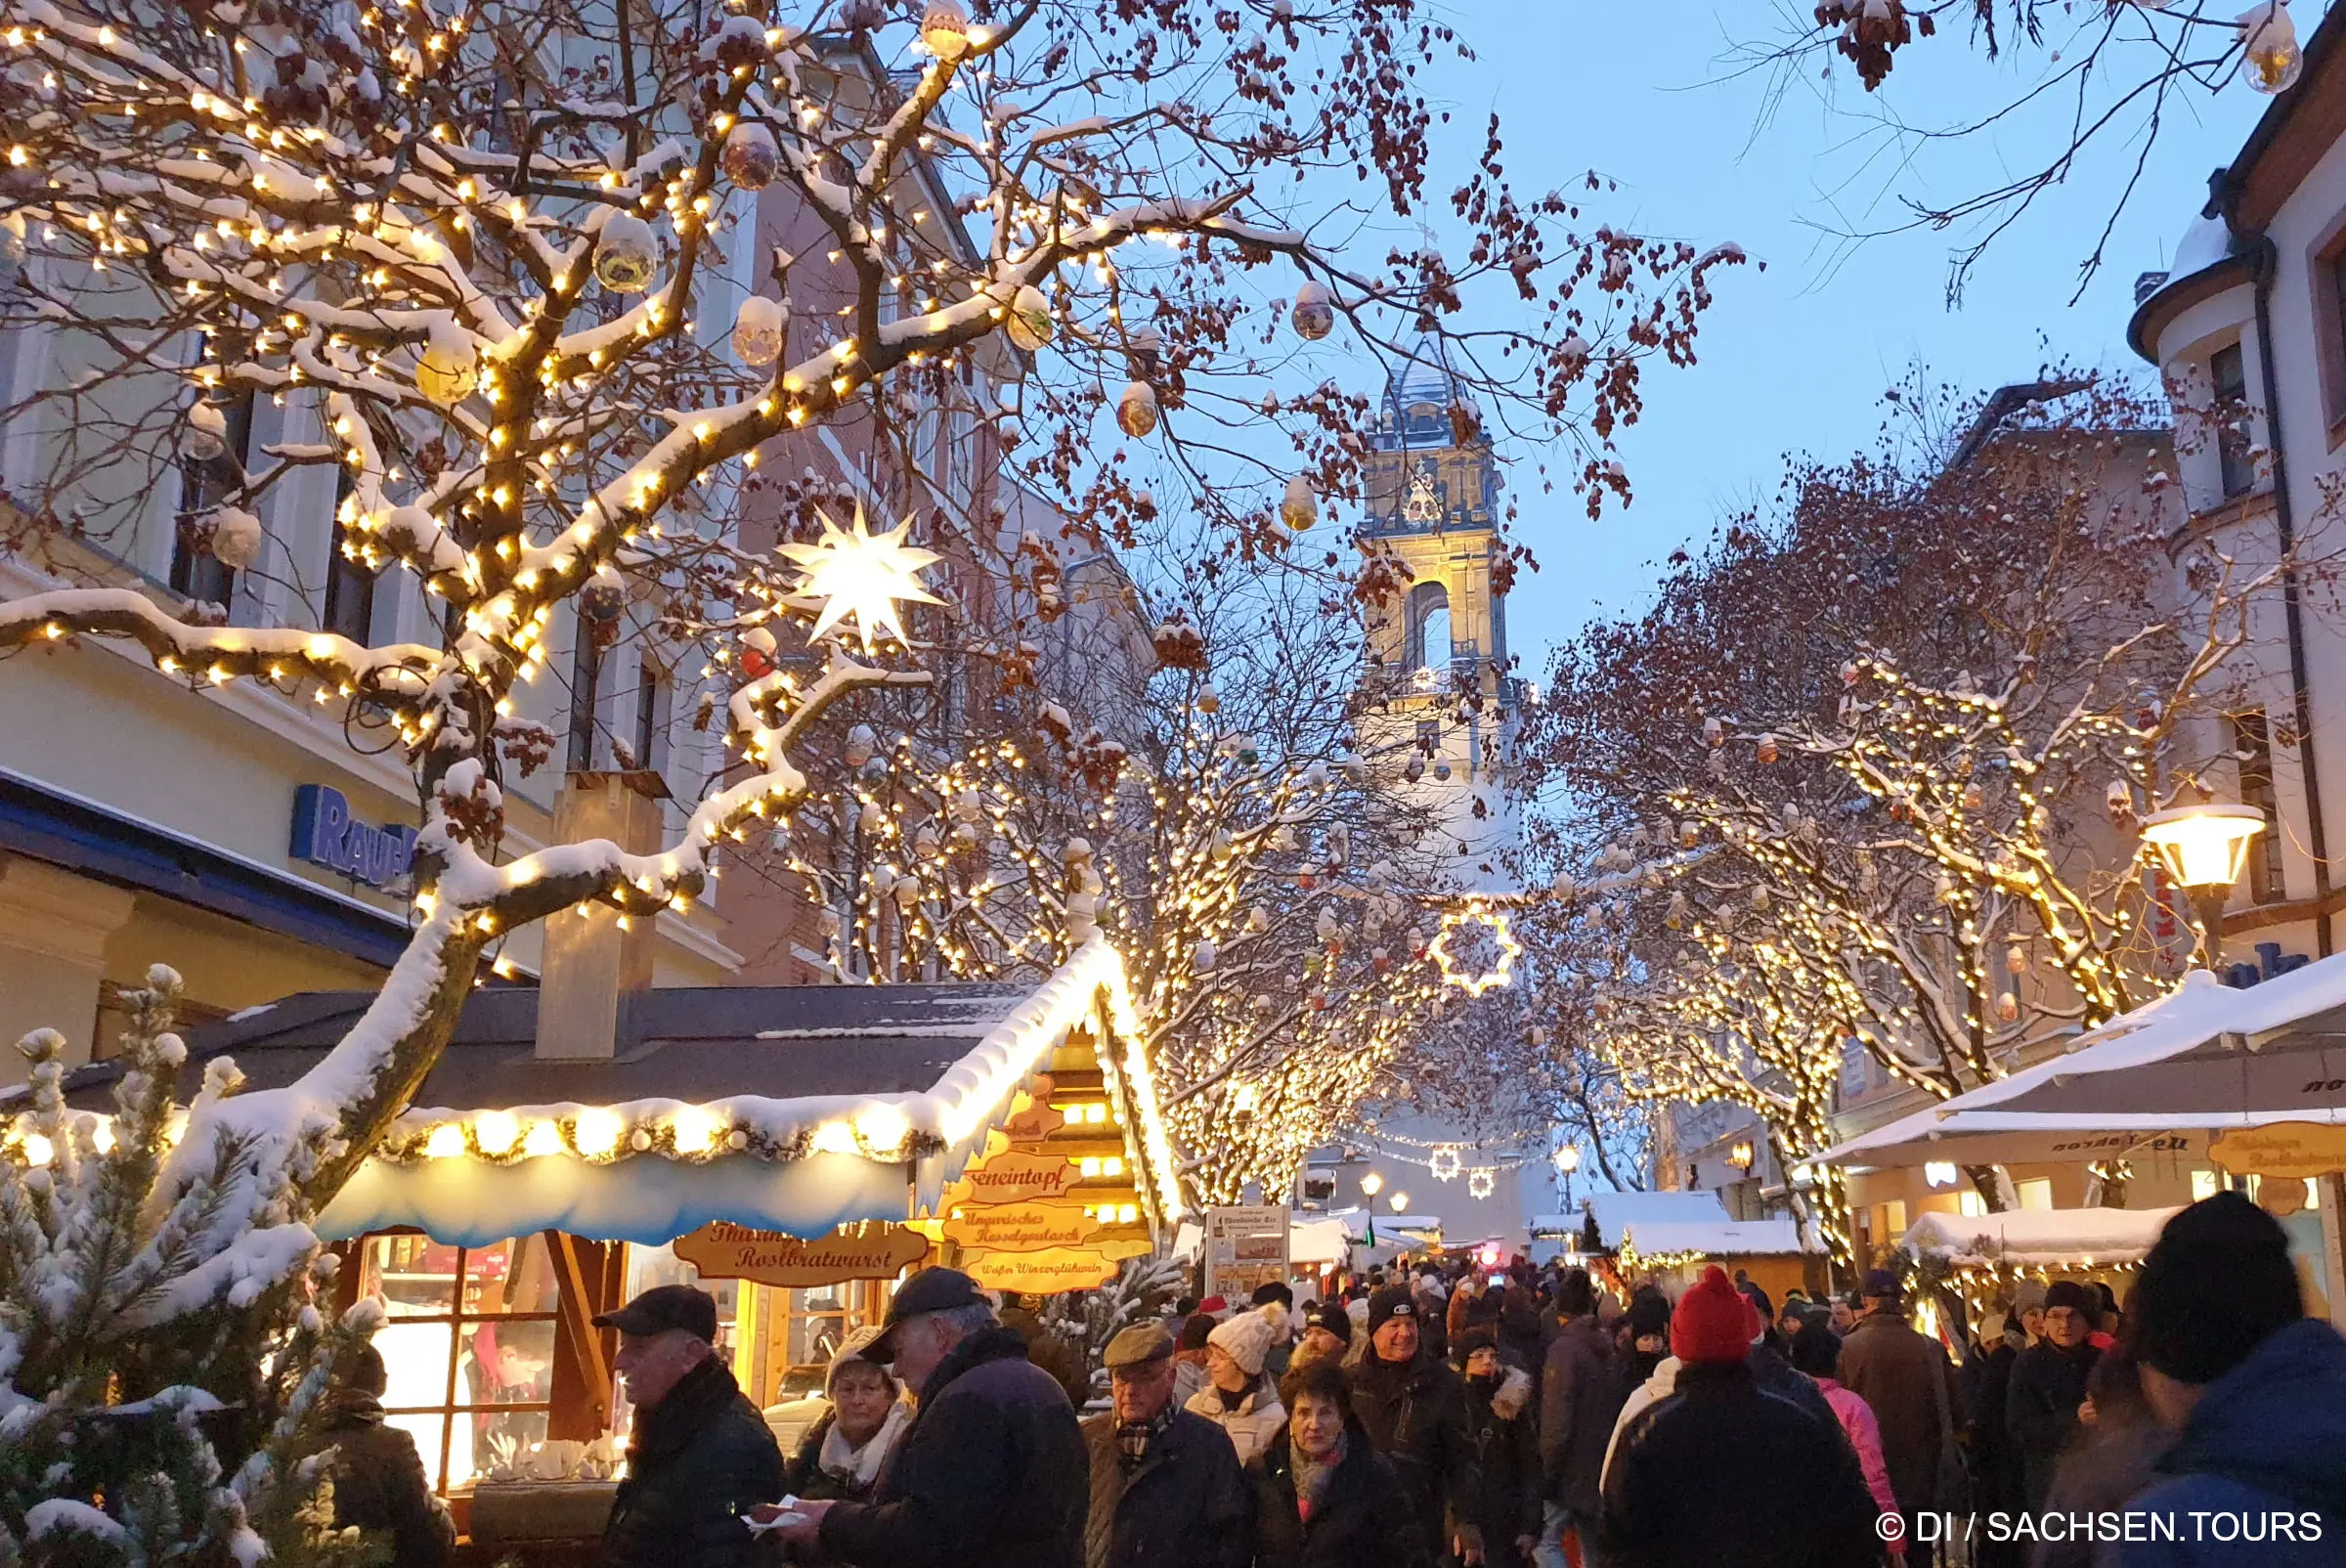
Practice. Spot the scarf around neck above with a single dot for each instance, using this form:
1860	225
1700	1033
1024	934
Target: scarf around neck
1313	1477
1134	1439
860	1466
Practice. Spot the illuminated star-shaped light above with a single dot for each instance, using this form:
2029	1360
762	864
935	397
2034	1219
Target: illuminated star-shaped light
862	574
1509	950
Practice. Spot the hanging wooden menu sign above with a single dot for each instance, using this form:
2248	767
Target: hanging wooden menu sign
1061	1268
864	1250
1014	1176
2281	1149
1020	1227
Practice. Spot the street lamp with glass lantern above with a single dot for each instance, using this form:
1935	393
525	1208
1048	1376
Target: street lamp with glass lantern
2203	847
1568	1160
1371	1184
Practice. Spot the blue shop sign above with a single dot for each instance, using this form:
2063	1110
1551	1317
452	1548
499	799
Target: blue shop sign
325	834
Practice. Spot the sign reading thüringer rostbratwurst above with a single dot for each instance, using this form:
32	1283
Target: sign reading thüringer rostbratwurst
865	1250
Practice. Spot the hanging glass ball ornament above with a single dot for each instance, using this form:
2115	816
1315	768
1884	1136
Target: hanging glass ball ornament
945	30
758	329
2271	60
1028	320
751	157
449	365
1314	312
625	254
1298	508
1136	410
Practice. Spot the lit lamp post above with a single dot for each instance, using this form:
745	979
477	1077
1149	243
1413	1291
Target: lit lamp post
1740	1156
1371	1184
2202	847
1568	1160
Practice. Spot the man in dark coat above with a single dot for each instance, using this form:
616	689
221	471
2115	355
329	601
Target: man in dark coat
380	1484
1166	1488
1910	1384
1324	1496
1413	1409
991	1473
700	1456
2048	1385
1580	1394
1720	1470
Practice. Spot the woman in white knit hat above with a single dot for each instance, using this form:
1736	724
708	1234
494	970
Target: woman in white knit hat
843	1452
1238	1397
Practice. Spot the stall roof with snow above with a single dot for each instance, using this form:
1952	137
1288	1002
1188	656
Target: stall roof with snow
2038	1238
1658	1223
793	1109
2201	1059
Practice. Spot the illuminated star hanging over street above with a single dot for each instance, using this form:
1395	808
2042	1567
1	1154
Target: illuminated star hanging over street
862	574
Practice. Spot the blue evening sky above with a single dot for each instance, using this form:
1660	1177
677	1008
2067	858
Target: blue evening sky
1798	357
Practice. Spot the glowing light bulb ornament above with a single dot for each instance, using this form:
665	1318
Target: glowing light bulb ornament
625	254
858	573
1491	920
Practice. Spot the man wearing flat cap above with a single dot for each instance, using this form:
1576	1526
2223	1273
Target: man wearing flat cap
1166	1488
699	1455
991	1471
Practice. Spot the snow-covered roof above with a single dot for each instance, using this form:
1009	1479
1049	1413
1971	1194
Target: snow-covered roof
2039	1237
789	1107
1715	1239
2206	242
1616	1211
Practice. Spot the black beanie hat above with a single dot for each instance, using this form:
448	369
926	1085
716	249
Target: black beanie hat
1194	1332
1482	1337
2218	1282
1393	1301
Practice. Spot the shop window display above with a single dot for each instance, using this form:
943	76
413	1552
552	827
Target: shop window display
468	1342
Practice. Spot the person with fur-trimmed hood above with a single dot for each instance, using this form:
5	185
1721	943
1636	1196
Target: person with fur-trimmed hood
1501	1426
1239	1396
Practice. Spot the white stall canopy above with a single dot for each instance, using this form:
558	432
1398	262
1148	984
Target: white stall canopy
2159	1080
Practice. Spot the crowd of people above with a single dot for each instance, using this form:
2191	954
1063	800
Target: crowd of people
1523	1419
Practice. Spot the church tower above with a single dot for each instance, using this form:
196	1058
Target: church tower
1437	679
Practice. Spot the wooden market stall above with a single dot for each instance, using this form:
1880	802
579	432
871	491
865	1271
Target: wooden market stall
1671	1237
795	1150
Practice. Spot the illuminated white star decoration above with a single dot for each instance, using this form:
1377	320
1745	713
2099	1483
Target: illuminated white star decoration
1446	1163
1509	950
1482	1182
862	574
